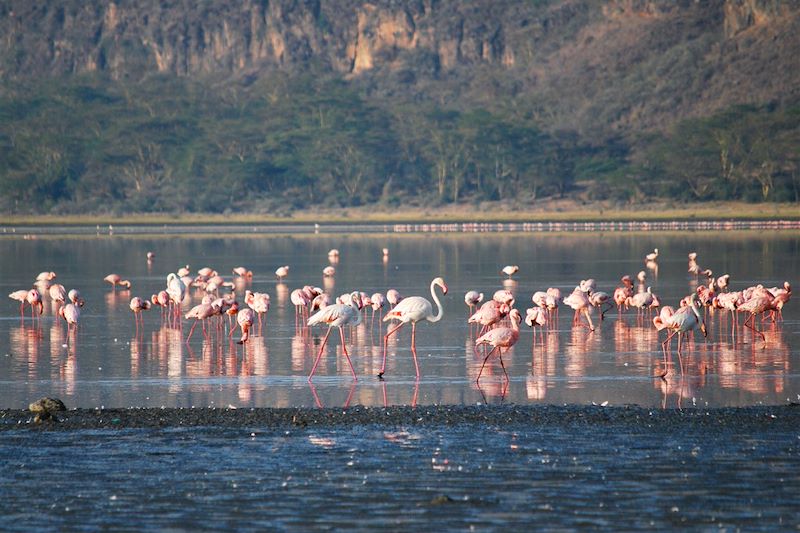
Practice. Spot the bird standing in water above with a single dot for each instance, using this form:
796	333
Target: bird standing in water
413	309
337	315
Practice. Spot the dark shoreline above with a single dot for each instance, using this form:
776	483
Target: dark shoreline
756	418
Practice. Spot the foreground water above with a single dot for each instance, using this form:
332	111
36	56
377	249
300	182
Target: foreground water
109	363
562	469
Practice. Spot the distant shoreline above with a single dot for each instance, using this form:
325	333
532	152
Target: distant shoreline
491	212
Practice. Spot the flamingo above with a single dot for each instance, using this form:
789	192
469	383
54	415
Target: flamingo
176	289
21	296
500	338
682	321
536	317
378	303
58	293
244	318
45	276
510	270
281	272
328	271
75	297
393	297
780	297
34	299
600	299
242	272
300	301
579	302
258	302
201	313
759	302
71	313
651	257
116	279
413	309
150	257
337	315
138	305
488	315
472	299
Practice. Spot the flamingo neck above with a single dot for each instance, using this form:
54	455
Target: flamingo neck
359	316
440	313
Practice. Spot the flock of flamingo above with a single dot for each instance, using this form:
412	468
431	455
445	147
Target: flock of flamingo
497	319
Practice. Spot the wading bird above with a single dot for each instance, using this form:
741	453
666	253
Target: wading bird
413	309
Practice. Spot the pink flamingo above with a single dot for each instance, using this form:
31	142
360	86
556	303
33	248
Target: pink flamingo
34	299
71	313
579	302
488	315
45	276
337	315
282	272
137	305
682	321
244	318
393	297
510	270
22	297
242	272
536	317
75	297
201	313
378	303
500	338
413	309
258	302
472	299
116	279
58	293
759	302
599	299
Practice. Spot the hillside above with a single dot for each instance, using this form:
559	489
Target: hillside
174	106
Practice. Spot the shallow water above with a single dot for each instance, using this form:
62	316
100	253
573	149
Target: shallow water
377	477
108	364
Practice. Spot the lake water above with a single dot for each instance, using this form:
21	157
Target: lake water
108	364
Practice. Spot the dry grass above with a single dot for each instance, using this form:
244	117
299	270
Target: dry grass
546	212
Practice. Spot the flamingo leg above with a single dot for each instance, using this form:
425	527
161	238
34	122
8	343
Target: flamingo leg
500	353
751	319
680	357
386	344
477	380
346	356
191	330
414	346
319	355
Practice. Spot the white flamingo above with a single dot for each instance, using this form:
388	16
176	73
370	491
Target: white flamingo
413	309
337	315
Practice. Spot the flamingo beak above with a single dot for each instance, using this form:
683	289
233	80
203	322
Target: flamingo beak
444	288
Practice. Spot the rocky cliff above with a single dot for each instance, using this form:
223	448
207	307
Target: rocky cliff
707	54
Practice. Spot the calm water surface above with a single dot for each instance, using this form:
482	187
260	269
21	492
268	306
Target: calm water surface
108	364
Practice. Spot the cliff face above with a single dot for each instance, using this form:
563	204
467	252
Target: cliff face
740	49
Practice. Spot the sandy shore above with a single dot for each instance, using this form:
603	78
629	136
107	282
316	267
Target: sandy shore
759	418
